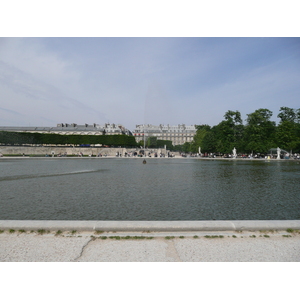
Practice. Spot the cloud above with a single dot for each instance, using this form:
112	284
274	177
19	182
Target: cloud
269	86
39	84
136	80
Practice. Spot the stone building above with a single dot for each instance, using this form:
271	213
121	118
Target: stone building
65	128
178	134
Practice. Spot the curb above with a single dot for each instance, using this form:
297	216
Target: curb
235	225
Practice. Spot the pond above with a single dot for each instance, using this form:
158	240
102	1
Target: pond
162	189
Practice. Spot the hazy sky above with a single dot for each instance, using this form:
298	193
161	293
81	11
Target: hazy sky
129	81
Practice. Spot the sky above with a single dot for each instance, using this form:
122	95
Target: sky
137	80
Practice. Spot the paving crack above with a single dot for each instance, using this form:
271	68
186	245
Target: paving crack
83	248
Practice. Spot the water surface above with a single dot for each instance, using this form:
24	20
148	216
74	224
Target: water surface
163	189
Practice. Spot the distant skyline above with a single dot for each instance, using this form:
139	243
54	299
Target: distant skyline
45	81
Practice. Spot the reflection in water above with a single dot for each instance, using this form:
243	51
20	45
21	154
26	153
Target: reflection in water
163	189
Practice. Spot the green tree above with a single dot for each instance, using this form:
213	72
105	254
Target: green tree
152	142
260	131
198	138
287	114
162	143
186	147
209	142
288	130
286	136
228	133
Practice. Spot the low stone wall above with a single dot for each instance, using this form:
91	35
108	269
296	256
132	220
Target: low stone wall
59	151
43	151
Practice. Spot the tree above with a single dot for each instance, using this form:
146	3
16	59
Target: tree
163	143
198	138
209	143
228	133
152	142
234	117
287	114
260	131
186	147
286	136
288	131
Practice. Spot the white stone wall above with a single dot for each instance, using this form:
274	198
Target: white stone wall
43	151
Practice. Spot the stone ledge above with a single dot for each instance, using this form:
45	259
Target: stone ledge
230	225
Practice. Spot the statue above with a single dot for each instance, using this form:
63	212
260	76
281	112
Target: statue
234	153
278	153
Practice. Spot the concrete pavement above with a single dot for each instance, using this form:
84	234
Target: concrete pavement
124	246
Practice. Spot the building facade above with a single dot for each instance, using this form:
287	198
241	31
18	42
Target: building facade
178	134
74	129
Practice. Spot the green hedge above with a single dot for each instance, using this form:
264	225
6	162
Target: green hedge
162	143
21	138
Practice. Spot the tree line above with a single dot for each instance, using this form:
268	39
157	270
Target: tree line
27	138
153	142
258	135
